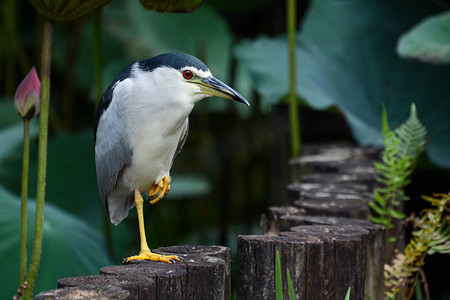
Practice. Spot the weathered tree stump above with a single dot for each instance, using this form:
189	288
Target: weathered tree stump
296	190
105	292
342	178
318	159
197	276
334	207
203	273
374	280
331	199
324	261
281	219
341	151
272	223
207	252
138	287
332	187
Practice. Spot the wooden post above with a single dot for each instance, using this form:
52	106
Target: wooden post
298	190
323	261
106	292
281	219
203	273
335	164
335	207
219	252
138	287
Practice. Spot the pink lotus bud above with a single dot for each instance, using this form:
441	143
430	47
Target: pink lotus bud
27	100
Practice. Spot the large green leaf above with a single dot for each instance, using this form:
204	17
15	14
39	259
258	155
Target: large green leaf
428	41
70	248
8	115
188	186
11	128
71	176
346	57
12	136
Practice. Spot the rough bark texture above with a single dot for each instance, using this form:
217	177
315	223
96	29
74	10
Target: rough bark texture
138	287
105	292
219	252
323	262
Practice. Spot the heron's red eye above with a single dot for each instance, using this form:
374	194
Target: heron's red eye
187	74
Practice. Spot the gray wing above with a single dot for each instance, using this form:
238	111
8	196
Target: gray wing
183	137
112	149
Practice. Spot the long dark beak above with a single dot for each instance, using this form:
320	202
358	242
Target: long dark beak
214	87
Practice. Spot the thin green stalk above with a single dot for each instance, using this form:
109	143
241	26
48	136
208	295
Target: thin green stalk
42	157
23	208
97	54
293	105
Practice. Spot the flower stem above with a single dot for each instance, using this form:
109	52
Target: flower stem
293	105
42	157
23	208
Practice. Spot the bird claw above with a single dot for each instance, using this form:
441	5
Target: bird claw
148	255
159	190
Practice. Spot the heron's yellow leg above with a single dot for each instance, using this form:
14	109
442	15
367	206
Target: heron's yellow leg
145	252
159	190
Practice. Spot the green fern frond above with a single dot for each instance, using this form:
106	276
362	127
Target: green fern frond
402	148
412	135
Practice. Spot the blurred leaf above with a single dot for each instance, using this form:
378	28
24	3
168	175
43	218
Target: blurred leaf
397	214
61	10
71	176
267	61
346	57
428	41
70	247
171	5
189	186
12	137
8	115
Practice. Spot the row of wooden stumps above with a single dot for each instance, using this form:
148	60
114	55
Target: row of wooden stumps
323	237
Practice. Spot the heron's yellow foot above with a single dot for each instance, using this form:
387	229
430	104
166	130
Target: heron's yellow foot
159	190
148	255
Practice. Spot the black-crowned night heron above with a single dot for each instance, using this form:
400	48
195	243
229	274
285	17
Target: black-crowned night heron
140	126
